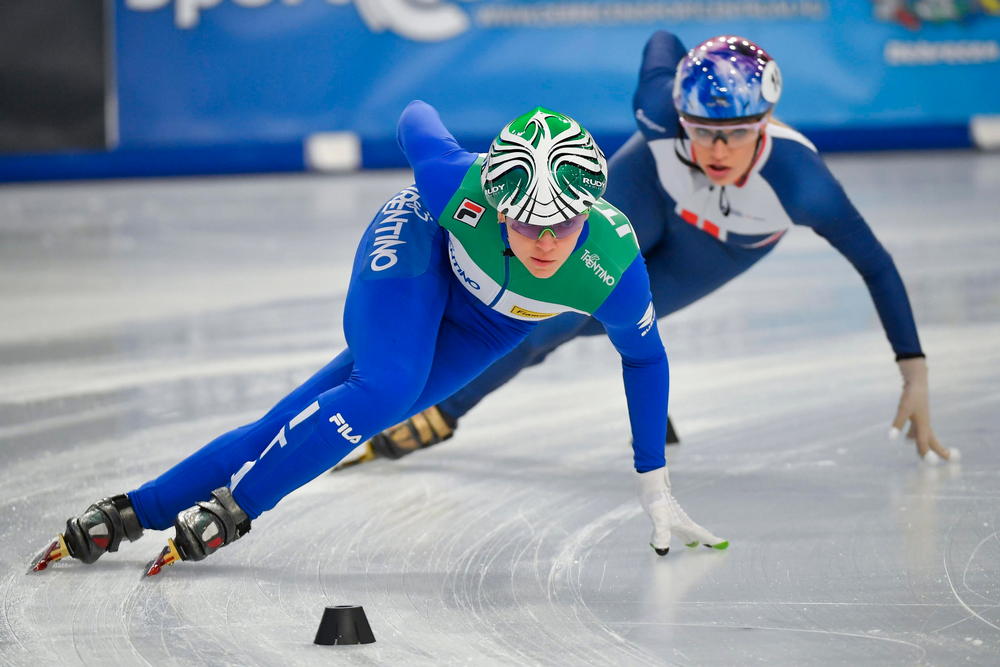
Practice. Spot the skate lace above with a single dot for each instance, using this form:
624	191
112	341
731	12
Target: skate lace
676	511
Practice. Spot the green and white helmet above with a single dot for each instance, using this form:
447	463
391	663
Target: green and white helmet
543	168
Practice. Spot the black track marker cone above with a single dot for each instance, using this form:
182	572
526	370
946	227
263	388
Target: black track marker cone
344	624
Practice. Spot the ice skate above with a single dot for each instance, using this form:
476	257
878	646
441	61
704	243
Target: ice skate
672	437
99	529
362	454
202	530
423	429
680	524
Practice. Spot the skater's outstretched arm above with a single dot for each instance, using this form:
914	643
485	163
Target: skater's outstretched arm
813	197
439	163
630	320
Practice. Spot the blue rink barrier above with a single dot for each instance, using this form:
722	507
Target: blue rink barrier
292	156
239	86
155	161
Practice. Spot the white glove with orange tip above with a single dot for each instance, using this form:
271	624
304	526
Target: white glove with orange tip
668	517
915	407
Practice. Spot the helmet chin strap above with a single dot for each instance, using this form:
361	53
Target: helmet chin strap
681	136
756	151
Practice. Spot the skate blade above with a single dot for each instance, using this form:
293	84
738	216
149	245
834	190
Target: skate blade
721	546
366	455
50	554
168	556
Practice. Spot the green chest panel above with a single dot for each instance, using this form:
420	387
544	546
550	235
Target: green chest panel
582	284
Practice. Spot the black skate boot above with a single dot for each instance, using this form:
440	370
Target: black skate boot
421	430
672	438
202	530
100	529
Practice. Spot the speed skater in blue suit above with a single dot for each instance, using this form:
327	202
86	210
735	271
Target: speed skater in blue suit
451	274
711	183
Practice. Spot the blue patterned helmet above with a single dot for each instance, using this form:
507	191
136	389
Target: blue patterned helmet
726	78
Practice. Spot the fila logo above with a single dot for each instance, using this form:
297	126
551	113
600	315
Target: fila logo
344	429
469	212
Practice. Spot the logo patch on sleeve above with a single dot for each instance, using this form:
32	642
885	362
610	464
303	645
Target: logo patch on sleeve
469	212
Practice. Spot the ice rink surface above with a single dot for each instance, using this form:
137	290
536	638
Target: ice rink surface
140	319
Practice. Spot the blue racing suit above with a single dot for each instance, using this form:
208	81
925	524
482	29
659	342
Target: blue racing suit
419	327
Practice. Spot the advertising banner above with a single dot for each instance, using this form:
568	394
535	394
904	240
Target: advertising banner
221	71
231	86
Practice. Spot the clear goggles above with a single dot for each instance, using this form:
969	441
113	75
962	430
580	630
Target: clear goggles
734	136
560	230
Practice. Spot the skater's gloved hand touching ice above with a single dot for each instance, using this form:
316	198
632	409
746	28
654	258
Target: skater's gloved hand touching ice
668	517
914	406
